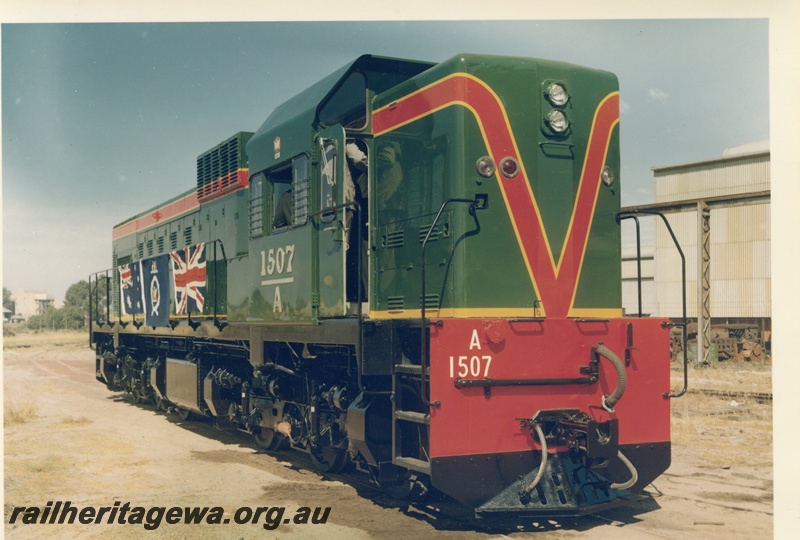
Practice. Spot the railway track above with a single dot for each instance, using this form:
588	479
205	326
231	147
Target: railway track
758	397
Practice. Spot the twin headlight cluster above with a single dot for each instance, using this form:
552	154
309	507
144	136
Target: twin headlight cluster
556	120
558	97
558	123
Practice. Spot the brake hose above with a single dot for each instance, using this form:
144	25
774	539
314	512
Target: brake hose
527	491
608	402
634	475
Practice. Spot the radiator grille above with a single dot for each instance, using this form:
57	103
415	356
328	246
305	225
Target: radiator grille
223	168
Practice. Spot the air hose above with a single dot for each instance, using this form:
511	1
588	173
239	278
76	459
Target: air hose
608	402
634	475
523	495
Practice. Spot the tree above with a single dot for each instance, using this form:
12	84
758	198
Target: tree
77	297
8	303
74	314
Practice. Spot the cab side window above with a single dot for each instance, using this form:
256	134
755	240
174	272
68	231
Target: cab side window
289	185
256	206
348	105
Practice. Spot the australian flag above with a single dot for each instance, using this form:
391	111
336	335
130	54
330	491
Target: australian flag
189	279
130	289
155	281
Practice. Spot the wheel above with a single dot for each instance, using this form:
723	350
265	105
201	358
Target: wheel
158	404
268	440
329	459
183	414
412	487
140	396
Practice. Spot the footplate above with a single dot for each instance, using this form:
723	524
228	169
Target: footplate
566	489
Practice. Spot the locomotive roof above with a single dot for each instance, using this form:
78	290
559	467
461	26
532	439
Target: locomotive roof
293	120
176	199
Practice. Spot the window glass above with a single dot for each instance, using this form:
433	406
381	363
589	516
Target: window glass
289	184
327	180
257	206
348	105
300	185
280	184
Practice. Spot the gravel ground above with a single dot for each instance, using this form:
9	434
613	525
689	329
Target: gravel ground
67	438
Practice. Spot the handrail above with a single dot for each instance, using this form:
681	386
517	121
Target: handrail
473	204
638	260
683	324
93	298
356	206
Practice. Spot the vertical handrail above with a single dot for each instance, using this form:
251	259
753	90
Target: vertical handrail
423	320
683	324
94	308
91	318
359	312
638	260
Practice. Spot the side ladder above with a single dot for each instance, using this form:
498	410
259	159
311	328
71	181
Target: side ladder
410	426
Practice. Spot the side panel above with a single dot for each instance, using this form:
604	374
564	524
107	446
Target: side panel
280	276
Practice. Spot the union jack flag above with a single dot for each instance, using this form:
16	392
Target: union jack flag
189	278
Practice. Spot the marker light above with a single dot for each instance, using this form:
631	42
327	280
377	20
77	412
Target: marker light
557	94
558	121
607	176
509	167
486	166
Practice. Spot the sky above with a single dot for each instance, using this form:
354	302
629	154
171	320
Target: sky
103	121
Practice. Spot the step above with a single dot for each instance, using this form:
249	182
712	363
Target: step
413	464
416	417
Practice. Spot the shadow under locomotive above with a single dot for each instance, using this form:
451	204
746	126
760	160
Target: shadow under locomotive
438	510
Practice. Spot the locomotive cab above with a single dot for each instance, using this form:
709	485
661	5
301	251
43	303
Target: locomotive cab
320	129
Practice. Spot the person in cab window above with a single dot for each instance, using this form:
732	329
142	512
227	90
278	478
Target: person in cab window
283	212
355	190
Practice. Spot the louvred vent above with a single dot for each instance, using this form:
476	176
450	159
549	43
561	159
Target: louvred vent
223	168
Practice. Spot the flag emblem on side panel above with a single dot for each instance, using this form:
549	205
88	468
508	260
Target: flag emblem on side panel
155	272
189	279
130	289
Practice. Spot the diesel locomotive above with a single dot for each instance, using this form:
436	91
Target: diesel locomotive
411	269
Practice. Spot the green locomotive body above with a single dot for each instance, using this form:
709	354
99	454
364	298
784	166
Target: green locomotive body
311	289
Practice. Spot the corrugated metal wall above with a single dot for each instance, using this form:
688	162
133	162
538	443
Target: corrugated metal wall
740	239
727	176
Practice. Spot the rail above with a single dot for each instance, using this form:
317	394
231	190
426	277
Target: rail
356	206
474	204
94	299
632	215
638	259
107	276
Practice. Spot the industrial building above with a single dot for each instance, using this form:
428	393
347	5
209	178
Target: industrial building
719	211
28	303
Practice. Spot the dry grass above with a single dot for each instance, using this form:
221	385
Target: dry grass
75	420
15	413
46	339
724	431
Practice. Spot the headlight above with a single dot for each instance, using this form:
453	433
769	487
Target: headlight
557	94
558	121
607	176
485	166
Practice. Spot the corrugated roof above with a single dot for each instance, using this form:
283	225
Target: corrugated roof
716	161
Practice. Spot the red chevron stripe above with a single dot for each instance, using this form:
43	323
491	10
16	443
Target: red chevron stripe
555	283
